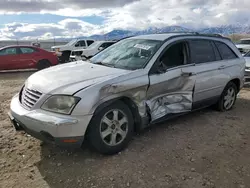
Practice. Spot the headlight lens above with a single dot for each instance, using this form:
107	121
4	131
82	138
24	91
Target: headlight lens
60	104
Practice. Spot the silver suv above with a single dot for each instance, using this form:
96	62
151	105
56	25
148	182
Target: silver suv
136	82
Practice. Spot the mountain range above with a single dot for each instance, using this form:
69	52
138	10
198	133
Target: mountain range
223	30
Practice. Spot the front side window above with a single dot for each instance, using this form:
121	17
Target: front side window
27	50
175	55
129	54
225	51
80	43
8	51
89	42
201	51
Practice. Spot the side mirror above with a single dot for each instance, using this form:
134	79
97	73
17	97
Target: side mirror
100	48
162	68
77	45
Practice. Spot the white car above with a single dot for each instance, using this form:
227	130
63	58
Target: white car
244	45
92	50
64	51
247	70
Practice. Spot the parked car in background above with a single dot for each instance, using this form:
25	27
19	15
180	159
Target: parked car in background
136	82
244	45
247	70
64	51
92	50
26	57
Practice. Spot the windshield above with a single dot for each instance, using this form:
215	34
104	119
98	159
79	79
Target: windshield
71	42
129	54
244	42
94	45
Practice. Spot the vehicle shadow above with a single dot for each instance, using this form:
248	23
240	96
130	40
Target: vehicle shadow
75	168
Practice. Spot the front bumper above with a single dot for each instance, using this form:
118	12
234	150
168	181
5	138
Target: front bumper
62	130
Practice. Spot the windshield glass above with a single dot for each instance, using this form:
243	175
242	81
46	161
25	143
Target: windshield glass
94	45
128	54
245	42
71	42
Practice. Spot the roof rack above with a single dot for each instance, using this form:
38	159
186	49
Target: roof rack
210	35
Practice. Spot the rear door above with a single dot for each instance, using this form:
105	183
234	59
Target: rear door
28	57
171	82
207	62
9	58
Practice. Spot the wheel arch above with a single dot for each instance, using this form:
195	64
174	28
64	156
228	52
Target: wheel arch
236	81
132	106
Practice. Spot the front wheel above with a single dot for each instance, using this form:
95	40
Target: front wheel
111	129
228	97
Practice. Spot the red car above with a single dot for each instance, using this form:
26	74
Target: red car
26	57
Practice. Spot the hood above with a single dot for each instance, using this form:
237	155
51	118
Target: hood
72	77
247	46
54	47
247	61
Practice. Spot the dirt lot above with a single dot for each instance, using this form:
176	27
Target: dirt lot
202	149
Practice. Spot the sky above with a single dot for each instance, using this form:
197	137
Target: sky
47	19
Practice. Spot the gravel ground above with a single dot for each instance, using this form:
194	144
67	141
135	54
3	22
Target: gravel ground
202	149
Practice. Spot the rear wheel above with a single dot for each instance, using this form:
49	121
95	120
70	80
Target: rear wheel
228	97
111	129
43	64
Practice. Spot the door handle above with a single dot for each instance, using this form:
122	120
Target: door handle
222	67
187	74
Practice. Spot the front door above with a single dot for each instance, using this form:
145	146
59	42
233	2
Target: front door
172	82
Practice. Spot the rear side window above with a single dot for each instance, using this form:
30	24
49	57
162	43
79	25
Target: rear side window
27	50
225	51
201	51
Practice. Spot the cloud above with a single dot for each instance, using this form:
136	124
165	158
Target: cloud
54	5
121	14
68	28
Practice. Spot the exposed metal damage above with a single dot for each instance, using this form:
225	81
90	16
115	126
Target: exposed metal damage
170	104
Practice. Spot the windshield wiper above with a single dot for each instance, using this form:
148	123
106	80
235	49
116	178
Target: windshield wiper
104	64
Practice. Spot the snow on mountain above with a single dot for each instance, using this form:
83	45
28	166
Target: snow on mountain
223	30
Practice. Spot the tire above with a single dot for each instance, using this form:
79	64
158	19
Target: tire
43	64
225	103
65	56
108	136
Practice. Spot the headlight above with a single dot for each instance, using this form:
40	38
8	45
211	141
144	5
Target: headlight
60	104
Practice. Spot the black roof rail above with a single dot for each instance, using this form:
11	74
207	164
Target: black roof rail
210	35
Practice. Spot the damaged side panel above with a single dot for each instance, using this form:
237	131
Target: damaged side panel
134	89
170	93
170	104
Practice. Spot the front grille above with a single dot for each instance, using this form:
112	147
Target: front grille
29	97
